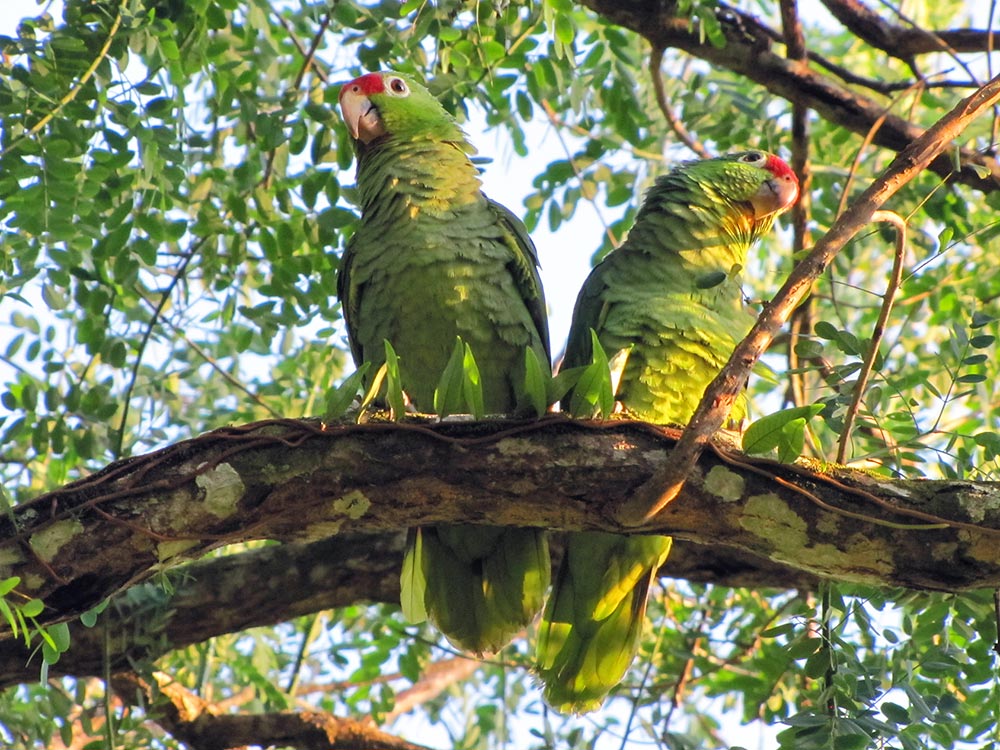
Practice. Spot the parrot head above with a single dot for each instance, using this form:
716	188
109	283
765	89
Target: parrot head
389	104
775	188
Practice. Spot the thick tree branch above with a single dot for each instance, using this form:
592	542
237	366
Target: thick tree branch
276	583
293	480
258	587
202	725
904	42
748	53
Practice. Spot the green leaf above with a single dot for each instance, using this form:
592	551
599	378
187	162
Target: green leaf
534	388
53	297
803	647
393	383
410	663
60	636
340	398
373	389
448	396
778	630
50	654
565	31
472	385
852	742
32	608
89	618
895	713
981	341
161	107
807	349
561	383
768	433
792	440
593	394
414	584
825	330
982	171
9	616
980	319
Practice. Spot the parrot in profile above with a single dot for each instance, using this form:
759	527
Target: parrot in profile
670	300
434	259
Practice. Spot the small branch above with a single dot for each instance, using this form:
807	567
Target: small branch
308	636
722	392
794	37
554	121
870	27
150	327
308	55
903	43
845	192
434	680
868	363
675	123
801	211
211	361
931	37
308	61
209	598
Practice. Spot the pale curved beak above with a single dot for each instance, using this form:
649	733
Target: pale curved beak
360	114
775	195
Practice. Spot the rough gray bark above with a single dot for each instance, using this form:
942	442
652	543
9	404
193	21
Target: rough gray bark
298	481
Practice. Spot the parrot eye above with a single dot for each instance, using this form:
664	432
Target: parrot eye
398	86
753	157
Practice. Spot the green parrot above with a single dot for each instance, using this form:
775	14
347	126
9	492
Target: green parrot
670	298
433	258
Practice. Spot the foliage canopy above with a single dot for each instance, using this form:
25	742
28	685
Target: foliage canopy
174	194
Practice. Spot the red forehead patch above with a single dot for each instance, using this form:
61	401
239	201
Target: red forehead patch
778	167
368	84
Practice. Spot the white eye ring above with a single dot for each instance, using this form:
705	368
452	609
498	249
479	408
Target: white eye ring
398	87
753	157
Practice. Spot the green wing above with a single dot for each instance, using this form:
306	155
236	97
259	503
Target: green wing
524	269
349	294
588	313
